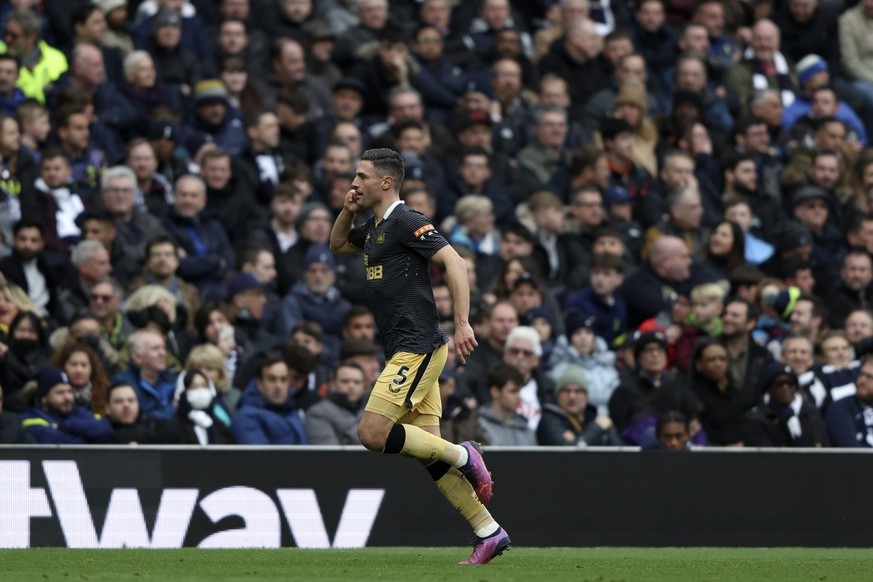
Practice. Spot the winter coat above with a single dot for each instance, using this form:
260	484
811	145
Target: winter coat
156	400
599	369
257	422
502	433
334	420
849	423
555	422
80	426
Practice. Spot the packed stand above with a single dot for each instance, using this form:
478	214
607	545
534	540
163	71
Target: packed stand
666	209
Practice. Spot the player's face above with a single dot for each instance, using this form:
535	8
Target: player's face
367	184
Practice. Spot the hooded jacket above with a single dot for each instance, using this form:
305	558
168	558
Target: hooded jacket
258	422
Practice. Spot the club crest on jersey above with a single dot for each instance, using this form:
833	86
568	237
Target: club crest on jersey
380	238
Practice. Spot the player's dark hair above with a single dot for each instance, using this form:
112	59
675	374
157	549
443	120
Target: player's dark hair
386	162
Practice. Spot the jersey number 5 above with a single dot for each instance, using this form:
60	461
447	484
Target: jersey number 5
401	375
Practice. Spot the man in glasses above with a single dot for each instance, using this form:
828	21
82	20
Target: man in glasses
523	351
106	299
40	63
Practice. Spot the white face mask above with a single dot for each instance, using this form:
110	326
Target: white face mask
199	398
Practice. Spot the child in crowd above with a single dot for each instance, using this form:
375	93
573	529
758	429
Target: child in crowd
581	346
600	300
707	302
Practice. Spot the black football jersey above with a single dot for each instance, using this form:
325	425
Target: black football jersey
396	256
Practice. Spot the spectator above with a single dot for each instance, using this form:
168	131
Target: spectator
200	419
763	65
839	367
246	301
746	357
91	262
854	290
28	268
12	431
502	318
227	197
128	425
524	351
849	421
61	204
582	348
600	299
85	373
545	155
214	121
141	85
648	290
154	192
267	414
56	419
785	418
572	420
260	163
148	373
500	420
672	433
40	63
334	420
707	303
208	255
27	352
578	56
11	97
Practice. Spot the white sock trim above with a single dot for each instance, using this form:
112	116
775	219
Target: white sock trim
463	457
484	532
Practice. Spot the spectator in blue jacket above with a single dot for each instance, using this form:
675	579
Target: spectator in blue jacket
57	419
266	414
215	120
601	300
148	373
208	252
849	421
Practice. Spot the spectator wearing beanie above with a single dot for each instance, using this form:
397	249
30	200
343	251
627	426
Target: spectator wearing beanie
57	419
572	420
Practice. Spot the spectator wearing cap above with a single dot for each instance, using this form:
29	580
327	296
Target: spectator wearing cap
246	302
193	34
172	162
57	419
316	297
581	348
207	253
810	208
572	420
813	74
601	300
785	417
620	219
215	121
647	388
178	66
500	420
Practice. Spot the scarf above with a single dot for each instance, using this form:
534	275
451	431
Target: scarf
760	81
789	414
69	207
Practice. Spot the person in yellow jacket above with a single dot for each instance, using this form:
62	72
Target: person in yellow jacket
40	63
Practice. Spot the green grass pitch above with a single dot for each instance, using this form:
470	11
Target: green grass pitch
414	564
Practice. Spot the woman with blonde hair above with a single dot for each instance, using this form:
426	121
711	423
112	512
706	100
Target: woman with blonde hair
13	300
210	359
632	105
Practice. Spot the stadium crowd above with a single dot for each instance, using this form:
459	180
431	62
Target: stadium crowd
666	208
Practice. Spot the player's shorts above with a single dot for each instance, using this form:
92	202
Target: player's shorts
408	390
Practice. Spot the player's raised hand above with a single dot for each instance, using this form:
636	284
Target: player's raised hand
351	201
465	341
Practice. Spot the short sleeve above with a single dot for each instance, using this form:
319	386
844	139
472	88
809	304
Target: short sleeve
418	233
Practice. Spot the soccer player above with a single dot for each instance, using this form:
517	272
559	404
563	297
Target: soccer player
403	413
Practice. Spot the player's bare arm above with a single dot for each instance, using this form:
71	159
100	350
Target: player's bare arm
459	287
339	236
